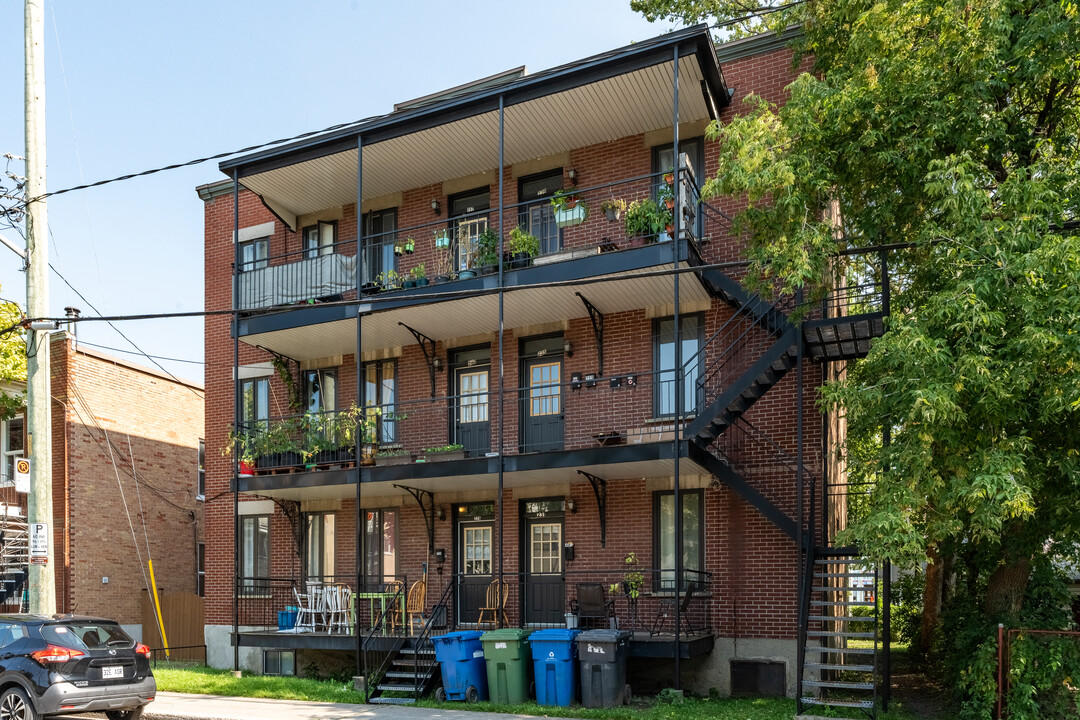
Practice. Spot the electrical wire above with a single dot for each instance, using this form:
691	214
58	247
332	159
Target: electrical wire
132	352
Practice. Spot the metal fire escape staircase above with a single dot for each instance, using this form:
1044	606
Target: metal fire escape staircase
739	364
407	670
14	557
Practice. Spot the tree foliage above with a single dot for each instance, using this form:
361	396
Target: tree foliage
12	358
951	127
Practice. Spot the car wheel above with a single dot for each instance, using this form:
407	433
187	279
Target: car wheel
122	714
15	705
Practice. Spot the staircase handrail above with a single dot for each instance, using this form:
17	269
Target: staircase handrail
380	627
425	638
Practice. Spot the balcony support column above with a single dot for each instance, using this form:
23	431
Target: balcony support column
237	410
502	377
677	497
361	656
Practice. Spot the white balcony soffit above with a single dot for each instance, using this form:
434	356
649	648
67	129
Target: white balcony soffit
622	106
478	315
660	468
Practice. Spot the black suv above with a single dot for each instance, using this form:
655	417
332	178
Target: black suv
57	664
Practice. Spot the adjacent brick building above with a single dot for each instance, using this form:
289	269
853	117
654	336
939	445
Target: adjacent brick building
127	445
570	410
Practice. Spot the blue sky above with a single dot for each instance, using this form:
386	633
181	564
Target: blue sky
136	85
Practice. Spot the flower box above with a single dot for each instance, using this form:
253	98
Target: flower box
568	217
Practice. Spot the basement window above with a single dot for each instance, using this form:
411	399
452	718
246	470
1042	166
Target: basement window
279	662
758	678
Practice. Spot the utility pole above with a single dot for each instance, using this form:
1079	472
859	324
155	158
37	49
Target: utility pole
42	581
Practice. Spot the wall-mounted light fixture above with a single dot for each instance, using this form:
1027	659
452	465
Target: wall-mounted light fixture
567	348
571	505
572	174
440	512
435	205
437	364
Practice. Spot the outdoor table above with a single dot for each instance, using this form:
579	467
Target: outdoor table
382	597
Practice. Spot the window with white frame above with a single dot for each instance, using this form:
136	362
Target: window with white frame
254	254
319	239
12	439
202	471
255	553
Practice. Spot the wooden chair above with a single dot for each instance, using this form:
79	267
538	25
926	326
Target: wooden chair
495	605
592	606
414	606
667	608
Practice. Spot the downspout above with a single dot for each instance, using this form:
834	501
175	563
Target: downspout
236	418
361	661
502	378
678	375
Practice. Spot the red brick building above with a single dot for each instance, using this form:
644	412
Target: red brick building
610	369
112	422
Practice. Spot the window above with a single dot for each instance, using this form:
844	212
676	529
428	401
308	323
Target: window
319	239
255	553
466	230
380	545
254	402
380	234
662	162
279	662
319	545
379	391
200	573
693	329
664	536
12	439
254	254
202	470
538	217
320	389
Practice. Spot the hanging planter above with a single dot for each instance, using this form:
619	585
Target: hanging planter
568	217
410	246
399	250
442	242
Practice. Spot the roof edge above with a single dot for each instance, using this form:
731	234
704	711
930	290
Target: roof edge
757	44
209	191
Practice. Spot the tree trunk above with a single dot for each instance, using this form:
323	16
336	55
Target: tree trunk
931	607
1006	586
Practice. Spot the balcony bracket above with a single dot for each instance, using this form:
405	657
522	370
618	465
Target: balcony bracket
427	509
427	346
599	488
597	319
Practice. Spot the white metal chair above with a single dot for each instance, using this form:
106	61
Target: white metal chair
305	615
338	601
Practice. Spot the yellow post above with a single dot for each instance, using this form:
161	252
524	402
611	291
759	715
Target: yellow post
157	607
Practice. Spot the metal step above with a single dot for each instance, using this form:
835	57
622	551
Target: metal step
845	575
822	717
840	561
838	685
839	651
838	603
405	675
864	704
842	618
392	701
855	635
833	666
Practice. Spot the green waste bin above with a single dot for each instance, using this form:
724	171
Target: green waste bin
602	656
508	659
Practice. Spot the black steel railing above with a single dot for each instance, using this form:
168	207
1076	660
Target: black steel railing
269	604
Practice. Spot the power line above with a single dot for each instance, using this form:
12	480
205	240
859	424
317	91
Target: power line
132	352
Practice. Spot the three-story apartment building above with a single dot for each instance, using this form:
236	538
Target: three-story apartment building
496	335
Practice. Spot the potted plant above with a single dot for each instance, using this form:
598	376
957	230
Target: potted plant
419	275
613	208
669	176
442	267
395	456
399	249
646	219
280	445
487	251
360	426
523	246
408	282
440	453
410	246
243	443
317	442
568	209
389	280
442	240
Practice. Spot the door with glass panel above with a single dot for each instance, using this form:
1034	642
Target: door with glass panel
536	214
544	588
471	425
475	564
542	411
467	221
379	548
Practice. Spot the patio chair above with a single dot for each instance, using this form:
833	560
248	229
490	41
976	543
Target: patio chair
495	605
416	603
667	608
592	607
338	601
305	614
392	607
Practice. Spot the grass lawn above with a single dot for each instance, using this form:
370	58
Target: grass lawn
207	681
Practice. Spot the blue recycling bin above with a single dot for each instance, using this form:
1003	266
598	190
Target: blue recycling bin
286	619
464	673
555	666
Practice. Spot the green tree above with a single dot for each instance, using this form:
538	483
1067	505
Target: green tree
12	358
952	127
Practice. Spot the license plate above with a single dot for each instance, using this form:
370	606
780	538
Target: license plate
112	671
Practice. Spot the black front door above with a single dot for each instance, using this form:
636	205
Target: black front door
545	590
471	423
542	414
474	553
536	214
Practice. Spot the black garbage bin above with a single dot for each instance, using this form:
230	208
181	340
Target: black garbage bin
602	656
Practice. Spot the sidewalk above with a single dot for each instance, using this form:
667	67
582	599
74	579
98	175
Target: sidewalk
183	706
